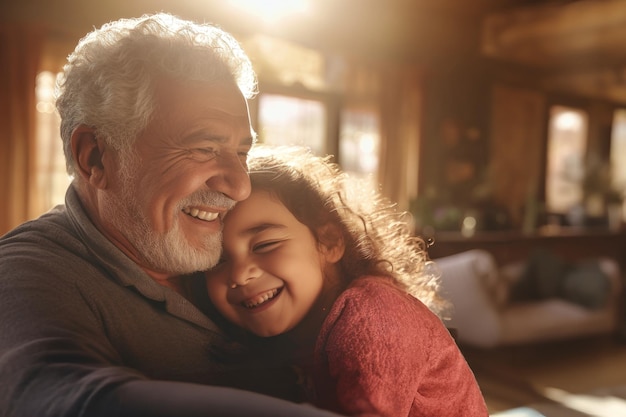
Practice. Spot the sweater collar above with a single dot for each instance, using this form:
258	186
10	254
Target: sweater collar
126	272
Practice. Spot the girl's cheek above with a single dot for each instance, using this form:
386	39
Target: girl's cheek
216	285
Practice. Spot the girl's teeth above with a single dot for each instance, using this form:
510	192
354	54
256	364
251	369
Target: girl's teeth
261	299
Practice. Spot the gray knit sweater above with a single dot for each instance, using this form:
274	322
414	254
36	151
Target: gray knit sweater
85	332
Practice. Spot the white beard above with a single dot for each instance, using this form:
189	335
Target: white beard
169	252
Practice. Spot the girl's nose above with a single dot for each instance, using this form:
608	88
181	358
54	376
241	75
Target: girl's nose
242	273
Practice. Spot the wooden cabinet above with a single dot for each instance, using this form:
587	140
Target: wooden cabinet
568	243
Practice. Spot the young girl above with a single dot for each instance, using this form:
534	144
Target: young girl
334	283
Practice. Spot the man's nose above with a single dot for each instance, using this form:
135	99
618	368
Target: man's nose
230	176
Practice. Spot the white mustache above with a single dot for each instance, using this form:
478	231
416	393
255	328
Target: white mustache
208	198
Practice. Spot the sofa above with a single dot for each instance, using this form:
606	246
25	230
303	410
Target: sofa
486	314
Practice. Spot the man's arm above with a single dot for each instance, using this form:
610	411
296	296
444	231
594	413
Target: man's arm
58	357
168	399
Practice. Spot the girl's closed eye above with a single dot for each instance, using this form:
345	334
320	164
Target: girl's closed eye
266	246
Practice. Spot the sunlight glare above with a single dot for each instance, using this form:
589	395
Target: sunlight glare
568	120
594	406
271	11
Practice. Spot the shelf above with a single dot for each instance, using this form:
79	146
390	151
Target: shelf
510	246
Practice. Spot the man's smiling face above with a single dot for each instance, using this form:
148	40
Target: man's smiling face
189	169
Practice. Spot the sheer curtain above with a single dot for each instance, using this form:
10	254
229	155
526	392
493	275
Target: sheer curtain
397	93
20	52
401	110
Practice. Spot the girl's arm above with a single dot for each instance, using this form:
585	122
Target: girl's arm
389	356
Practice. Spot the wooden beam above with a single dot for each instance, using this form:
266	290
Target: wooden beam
558	35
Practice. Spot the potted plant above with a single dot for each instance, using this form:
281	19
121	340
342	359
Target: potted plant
614	199
603	198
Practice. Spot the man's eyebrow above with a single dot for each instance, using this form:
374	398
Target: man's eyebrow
200	136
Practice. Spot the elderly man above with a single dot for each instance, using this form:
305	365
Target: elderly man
95	319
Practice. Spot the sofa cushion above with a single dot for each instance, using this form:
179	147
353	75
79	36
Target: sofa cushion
586	285
547	276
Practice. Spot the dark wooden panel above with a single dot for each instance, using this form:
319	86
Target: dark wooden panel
569	243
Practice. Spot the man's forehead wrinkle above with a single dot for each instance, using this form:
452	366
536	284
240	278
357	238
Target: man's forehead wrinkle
212	135
206	135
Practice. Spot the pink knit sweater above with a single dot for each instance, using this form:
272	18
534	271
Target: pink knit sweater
383	353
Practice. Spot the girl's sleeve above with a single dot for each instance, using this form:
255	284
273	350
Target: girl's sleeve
389	356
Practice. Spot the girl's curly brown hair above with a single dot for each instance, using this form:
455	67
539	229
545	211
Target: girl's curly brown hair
378	239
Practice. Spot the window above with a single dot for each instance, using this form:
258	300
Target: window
292	120
618	150
52	178
359	144
285	120
618	155
567	143
300	104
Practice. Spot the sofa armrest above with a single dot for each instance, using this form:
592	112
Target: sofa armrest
611	268
616	297
474	314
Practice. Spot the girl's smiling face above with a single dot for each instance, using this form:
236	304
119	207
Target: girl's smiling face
274	264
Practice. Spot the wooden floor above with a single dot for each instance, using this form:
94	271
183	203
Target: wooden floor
517	376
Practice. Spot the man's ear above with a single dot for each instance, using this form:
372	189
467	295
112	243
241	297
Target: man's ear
332	243
88	152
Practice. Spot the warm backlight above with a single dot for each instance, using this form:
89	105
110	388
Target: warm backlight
273	11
